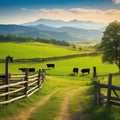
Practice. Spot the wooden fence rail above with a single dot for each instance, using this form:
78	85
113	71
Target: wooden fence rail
51	58
20	86
109	99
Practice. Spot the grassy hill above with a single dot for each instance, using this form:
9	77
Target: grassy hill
33	50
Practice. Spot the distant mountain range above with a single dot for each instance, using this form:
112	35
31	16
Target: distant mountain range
79	33
73	23
62	33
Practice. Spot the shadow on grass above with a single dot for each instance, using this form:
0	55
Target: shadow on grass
73	74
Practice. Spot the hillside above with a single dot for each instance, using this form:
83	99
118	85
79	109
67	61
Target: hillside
63	33
84	34
86	31
33	50
33	32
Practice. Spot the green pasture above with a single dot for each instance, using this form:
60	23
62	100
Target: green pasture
60	78
34	50
64	67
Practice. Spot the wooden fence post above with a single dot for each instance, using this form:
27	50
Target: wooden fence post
97	93
109	89
43	74
94	72
6	82
26	84
39	78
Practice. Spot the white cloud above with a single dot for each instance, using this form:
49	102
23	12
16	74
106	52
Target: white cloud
116	1
24	9
83	14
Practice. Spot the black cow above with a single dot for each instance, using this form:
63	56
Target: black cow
2	76
85	70
51	65
75	70
29	69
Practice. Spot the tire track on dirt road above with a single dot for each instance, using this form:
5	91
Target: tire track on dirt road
64	113
26	114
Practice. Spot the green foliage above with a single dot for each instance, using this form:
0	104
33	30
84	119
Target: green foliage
91	111
74	47
111	44
53	41
13	38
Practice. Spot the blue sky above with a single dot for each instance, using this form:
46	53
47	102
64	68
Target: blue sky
20	11
102	4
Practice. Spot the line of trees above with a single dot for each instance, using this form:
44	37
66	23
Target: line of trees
53	41
13	38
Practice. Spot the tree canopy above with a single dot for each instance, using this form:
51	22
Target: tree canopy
13	38
110	44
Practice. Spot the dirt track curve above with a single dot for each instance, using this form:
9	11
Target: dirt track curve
26	114
63	113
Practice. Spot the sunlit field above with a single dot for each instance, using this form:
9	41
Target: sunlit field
34	50
60	79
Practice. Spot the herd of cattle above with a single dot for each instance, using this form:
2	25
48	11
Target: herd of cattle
75	70
84	70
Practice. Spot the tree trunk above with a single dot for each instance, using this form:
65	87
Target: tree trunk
118	64
119	69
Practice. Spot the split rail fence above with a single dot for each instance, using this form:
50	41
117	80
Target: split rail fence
20	86
112	97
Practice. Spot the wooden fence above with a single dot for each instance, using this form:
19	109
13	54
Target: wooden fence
20	86
112	97
52	58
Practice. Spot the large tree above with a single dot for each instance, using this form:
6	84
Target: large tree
111	44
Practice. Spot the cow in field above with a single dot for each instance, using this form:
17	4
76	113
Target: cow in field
51	65
75	70
85	70
29	69
2	76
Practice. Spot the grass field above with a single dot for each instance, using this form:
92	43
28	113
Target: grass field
62	80
34	50
64	67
